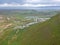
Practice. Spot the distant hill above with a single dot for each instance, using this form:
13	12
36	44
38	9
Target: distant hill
46	33
32	8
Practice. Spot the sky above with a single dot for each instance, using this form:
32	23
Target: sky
28	3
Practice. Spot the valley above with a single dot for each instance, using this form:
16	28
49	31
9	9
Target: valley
29	27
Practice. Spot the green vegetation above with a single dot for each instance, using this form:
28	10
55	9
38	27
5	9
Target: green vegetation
24	13
45	33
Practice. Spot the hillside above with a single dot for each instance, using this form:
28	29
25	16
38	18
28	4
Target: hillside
46	33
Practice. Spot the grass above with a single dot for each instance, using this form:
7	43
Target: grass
46	33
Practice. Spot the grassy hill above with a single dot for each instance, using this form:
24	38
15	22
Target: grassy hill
46	33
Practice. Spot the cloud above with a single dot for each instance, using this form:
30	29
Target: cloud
25	5
43	1
33	1
56	0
